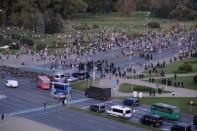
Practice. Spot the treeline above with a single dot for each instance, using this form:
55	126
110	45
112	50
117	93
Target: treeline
42	15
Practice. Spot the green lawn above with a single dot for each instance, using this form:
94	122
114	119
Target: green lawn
81	85
173	68
187	82
177	101
127	88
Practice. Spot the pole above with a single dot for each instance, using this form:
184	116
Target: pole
125	6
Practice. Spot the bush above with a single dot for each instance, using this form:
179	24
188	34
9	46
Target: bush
195	79
153	25
82	27
15	36
95	26
40	46
15	47
187	67
5	41
27	41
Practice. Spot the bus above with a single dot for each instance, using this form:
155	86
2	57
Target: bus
43	82
166	111
61	87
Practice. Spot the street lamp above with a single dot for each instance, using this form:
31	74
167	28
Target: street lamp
191	103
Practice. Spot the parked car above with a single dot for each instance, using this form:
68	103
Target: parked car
71	79
131	102
11	83
181	127
119	111
59	77
152	120
97	108
59	95
81	75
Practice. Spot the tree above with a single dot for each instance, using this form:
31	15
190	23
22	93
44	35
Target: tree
125	5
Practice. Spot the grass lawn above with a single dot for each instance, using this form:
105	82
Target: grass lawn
173	68
187	82
81	85
177	101
127	88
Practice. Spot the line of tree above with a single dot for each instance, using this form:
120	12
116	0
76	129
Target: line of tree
43	15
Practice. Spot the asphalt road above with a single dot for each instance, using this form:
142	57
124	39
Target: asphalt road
71	120
27	101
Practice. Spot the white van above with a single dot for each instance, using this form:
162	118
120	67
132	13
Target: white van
59	77
11	83
119	111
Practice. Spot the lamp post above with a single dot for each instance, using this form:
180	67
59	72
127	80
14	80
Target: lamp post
191	103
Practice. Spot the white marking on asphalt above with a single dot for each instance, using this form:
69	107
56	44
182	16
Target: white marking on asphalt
165	129
47	107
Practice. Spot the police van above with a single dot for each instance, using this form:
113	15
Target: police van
119	111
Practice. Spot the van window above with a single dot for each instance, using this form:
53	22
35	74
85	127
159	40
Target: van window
117	110
62	76
56	76
128	112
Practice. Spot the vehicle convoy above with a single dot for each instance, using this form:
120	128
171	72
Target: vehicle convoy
166	111
11	83
152	120
119	111
97	108
131	102
181	127
43	82
98	93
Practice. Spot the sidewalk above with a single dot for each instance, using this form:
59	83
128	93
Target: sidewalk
179	92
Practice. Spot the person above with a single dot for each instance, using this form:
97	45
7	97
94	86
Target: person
2	116
154	92
150	93
45	104
173	93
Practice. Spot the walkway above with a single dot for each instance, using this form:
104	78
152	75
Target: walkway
179	92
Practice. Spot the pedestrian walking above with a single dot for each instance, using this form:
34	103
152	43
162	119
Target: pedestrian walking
173	93
2	117
45	104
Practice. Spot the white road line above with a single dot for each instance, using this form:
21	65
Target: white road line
42	108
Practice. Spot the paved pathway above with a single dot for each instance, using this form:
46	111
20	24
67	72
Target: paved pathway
179	92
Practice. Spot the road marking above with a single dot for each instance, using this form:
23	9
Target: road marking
42	108
3	97
165	129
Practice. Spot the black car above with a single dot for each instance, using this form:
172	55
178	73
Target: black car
195	120
81	75
181	127
152	120
97	108
131	102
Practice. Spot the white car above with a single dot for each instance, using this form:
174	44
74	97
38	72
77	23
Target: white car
59	95
11	83
119	111
71	79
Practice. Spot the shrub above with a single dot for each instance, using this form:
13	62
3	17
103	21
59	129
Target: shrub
187	67
153	25
40	46
82	27
195	79
27	41
15	47
95	26
5	41
15	36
